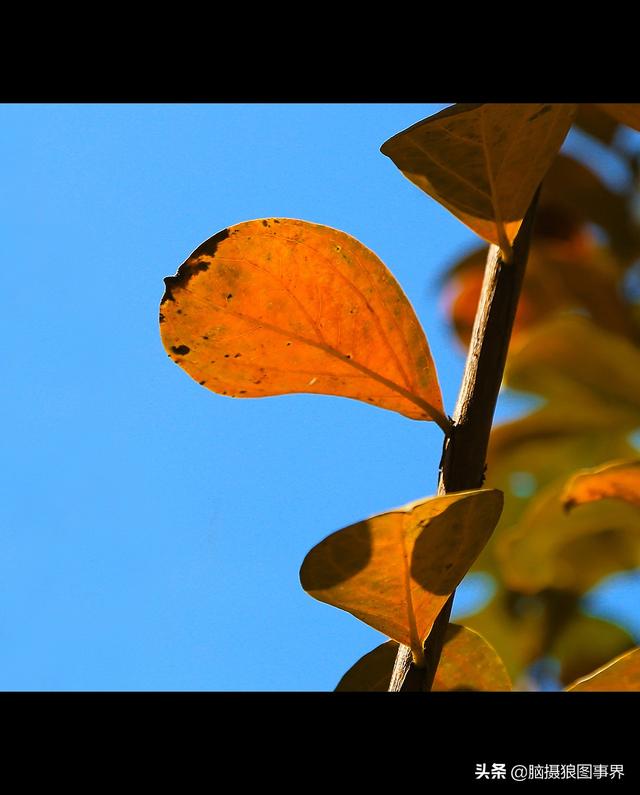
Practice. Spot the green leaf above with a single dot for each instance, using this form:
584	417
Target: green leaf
467	663
396	570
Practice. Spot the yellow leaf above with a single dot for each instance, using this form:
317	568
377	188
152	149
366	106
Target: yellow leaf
626	114
617	479
396	570
483	162
277	305
549	548
619	675
467	663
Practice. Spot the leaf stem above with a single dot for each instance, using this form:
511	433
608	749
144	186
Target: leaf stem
465	446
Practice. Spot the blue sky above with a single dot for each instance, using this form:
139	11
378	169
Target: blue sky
151	532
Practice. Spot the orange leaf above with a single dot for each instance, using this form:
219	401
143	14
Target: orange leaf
275	306
467	663
619	480
483	162
619	675
626	114
396	570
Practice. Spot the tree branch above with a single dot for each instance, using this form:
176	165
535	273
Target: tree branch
465	448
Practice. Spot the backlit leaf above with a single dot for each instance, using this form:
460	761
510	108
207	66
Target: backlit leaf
277	306
620	675
396	570
628	114
619	480
549	548
483	162
467	663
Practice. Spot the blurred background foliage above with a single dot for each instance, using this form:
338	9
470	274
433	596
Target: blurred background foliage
575	352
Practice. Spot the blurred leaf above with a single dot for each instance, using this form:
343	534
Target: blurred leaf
524	628
396	570
275	306
596	122
585	643
561	275
621	674
571	359
619	480
573	192
628	114
515	626
528	453
467	663
483	162
549	548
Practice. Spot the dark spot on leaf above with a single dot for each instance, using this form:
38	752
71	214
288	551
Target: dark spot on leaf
229	296
337	248
348	356
202	383
237	355
265	223
204	337
288	343
544	109
179	311
181	350
275	221
242	392
161	317
190	267
209	247
226	356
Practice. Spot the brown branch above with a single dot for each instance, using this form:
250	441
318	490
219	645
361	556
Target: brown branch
465	449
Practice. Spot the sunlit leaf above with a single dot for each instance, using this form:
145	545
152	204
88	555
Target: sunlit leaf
483	162
549	548
628	114
396	570
618	479
277	305
621	674
467	663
